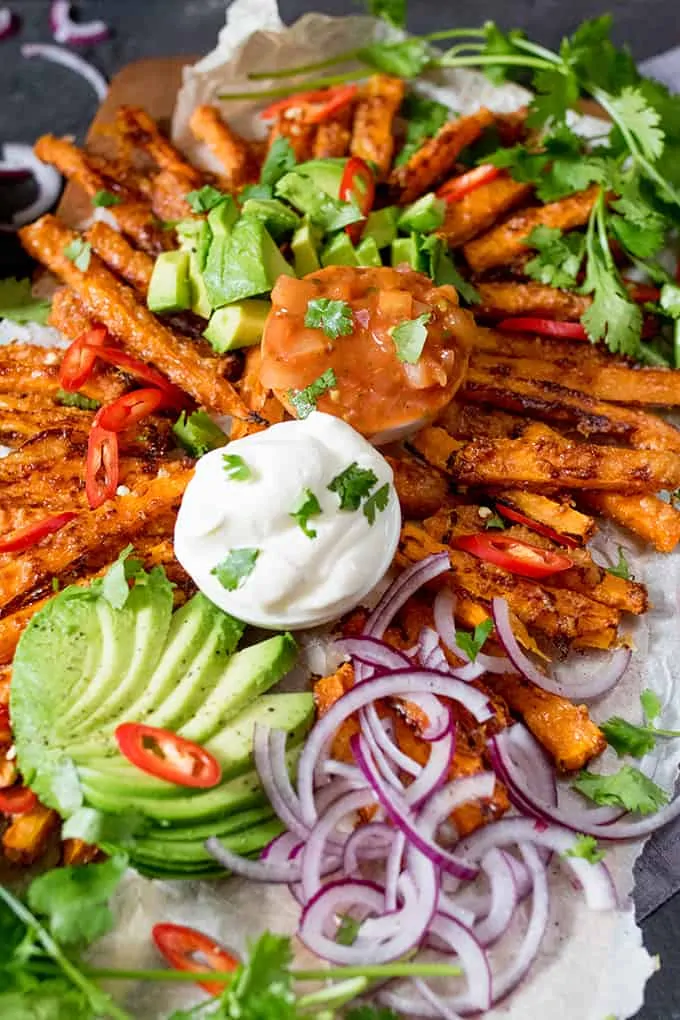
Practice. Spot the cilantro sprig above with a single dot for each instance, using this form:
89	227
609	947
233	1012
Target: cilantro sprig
472	643
79	252
234	570
410	338
235	468
353	485
205	199
334	318
309	507
628	738
197	433
587	849
18	303
628	788
304	401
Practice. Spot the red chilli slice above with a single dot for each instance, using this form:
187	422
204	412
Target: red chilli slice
461	186
26	538
357	185
167	756
79	360
182	948
102	467
143	372
544	327
540	529
318	105
130	409
512	555
17	800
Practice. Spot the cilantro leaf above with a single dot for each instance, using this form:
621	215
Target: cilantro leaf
78	400
75	900
235	468
559	258
333	317
105	199
637	225
392	11
410	337
114	585
353	485
236	567
79	253
205	199
472	644
424	117
628	788
262	987
309	507
651	704
198	433
626	738
669	300
280	160
621	568
641	119
586	847
403	59
348	929
556	93
495	523
18	304
376	503
445	272
304	401
499	44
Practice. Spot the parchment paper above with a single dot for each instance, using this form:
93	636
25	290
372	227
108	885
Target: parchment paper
592	965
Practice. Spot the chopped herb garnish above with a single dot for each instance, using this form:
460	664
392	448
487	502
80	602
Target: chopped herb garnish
236	568
235	468
260	191
376	503
495	523
409	338
627	738
198	433
353	485
424	117
472	643
304	401
105	199
205	199
621	568
628	788
559	258
333	317
309	507
280	161
651	705
78	400
18	304
586	847
348	929
79	253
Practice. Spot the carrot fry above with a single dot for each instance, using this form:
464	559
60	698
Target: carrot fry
373	131
477	211
235	155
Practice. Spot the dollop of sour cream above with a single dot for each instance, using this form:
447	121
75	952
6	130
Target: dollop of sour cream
241	537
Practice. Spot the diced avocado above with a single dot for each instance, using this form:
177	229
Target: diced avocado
339	252
367	253
237	325
248	674
223	217
326	173
200	302
424	216
169	289
308	198
243	264
305	250
381	225
405	250
279	219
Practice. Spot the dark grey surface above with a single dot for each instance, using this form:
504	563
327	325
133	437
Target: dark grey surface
36	97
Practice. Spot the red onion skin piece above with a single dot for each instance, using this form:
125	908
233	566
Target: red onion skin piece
9	23
69	33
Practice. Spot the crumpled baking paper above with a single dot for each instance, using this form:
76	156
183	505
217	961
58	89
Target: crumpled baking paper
592	966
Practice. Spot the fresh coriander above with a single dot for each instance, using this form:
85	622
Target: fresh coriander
393	11
236	568
445	271
78	400
105	199
79	253
75	900
304	401
559	258
205	199
348	929
651	704
198	433
628	788
376	503
410	337
495	523
472	644
18	304
280	161
586	847
334	318
627	738
424	117
621	568
353	485
309	507
235	468
114	586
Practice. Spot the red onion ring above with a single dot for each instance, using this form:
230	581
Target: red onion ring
20	158
314	853
504	898
68	32
375	838
70	60
406	585
444	608
282	804
433	776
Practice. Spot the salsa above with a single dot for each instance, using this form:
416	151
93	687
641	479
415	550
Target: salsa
374	391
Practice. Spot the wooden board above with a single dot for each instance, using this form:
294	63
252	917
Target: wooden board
153	84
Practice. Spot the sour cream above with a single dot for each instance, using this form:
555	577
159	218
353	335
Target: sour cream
288	579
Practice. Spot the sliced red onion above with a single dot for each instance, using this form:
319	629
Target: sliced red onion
68	32
508	979
284	806
372	652
417	830
70	60
402	684
384	750
257	871
450	907
580	688
532	756
21	158
433	776
369	841
595	879
315	851
389	925
504	898
442	1010
393	870
8	23
280	848
406	585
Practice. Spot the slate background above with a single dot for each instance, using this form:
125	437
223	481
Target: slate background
36	97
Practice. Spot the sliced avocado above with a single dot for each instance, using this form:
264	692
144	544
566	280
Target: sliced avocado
279	219
237	325
312	201
233	745
305	249
169	289
218	827
200	302
148	851
248	674
339	252
244	264
367	253
405	250
425	215
381	225
326	173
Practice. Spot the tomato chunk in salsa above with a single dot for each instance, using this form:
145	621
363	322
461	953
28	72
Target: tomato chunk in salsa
375	391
